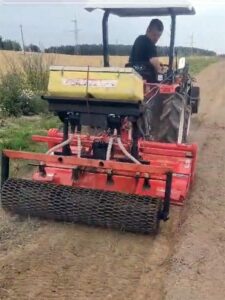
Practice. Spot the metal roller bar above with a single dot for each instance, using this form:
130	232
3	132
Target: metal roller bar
132	213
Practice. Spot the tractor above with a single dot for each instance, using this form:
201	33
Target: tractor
138	162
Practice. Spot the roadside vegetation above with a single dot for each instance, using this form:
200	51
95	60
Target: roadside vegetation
15	133
198	63
22	111
22	82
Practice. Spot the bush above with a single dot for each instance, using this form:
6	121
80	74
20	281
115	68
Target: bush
22	84
36	71
16	99
10	92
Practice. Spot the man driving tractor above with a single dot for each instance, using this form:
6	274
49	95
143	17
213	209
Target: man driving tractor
143	55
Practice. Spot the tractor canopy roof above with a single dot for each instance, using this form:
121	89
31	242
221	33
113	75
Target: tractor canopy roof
142	8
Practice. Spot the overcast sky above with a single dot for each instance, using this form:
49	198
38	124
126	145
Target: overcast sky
51	24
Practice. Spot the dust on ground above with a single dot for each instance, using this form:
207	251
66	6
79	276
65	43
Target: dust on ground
48	260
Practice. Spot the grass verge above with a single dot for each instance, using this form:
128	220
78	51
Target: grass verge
16	133
198	63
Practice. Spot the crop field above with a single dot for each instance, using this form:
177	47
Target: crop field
10	60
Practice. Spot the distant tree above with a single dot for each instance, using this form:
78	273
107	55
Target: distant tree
11	45
32	48
1	43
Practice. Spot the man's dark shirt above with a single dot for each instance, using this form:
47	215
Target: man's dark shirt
142	50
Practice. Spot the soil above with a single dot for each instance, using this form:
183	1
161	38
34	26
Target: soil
49	260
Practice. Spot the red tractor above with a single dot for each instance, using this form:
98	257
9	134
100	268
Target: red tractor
127	175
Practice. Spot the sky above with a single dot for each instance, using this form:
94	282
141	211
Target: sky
50	24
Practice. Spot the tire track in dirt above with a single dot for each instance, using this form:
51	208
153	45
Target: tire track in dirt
46	260
197	269
63	261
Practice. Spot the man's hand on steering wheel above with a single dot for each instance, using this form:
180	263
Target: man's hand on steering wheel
164	67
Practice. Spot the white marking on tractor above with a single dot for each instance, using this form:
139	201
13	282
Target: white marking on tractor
187	164
91	82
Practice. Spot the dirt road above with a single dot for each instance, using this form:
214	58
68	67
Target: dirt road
197	270
45	260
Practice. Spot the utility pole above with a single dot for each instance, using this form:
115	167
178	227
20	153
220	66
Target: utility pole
192	44
76	32
22	38
116	50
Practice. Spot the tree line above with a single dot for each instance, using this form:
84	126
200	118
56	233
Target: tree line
8	44
121	50
96	49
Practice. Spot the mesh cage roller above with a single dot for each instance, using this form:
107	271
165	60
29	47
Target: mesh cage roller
126	212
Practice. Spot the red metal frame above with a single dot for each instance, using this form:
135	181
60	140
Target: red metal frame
69	162
124	177
151	88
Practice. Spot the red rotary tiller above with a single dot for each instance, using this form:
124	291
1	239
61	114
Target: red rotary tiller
126	176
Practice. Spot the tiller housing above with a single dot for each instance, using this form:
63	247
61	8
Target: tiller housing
115	179
138	162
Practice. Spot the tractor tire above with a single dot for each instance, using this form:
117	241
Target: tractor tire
150	120
187	123
172	120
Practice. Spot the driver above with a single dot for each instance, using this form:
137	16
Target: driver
143	55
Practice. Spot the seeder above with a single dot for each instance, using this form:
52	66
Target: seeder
127	174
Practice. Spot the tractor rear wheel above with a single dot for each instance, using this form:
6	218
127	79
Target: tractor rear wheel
172	120
187	123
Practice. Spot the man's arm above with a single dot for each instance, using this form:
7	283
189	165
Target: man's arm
153	58
156	64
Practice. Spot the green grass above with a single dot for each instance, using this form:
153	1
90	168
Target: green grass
16	133
198	63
